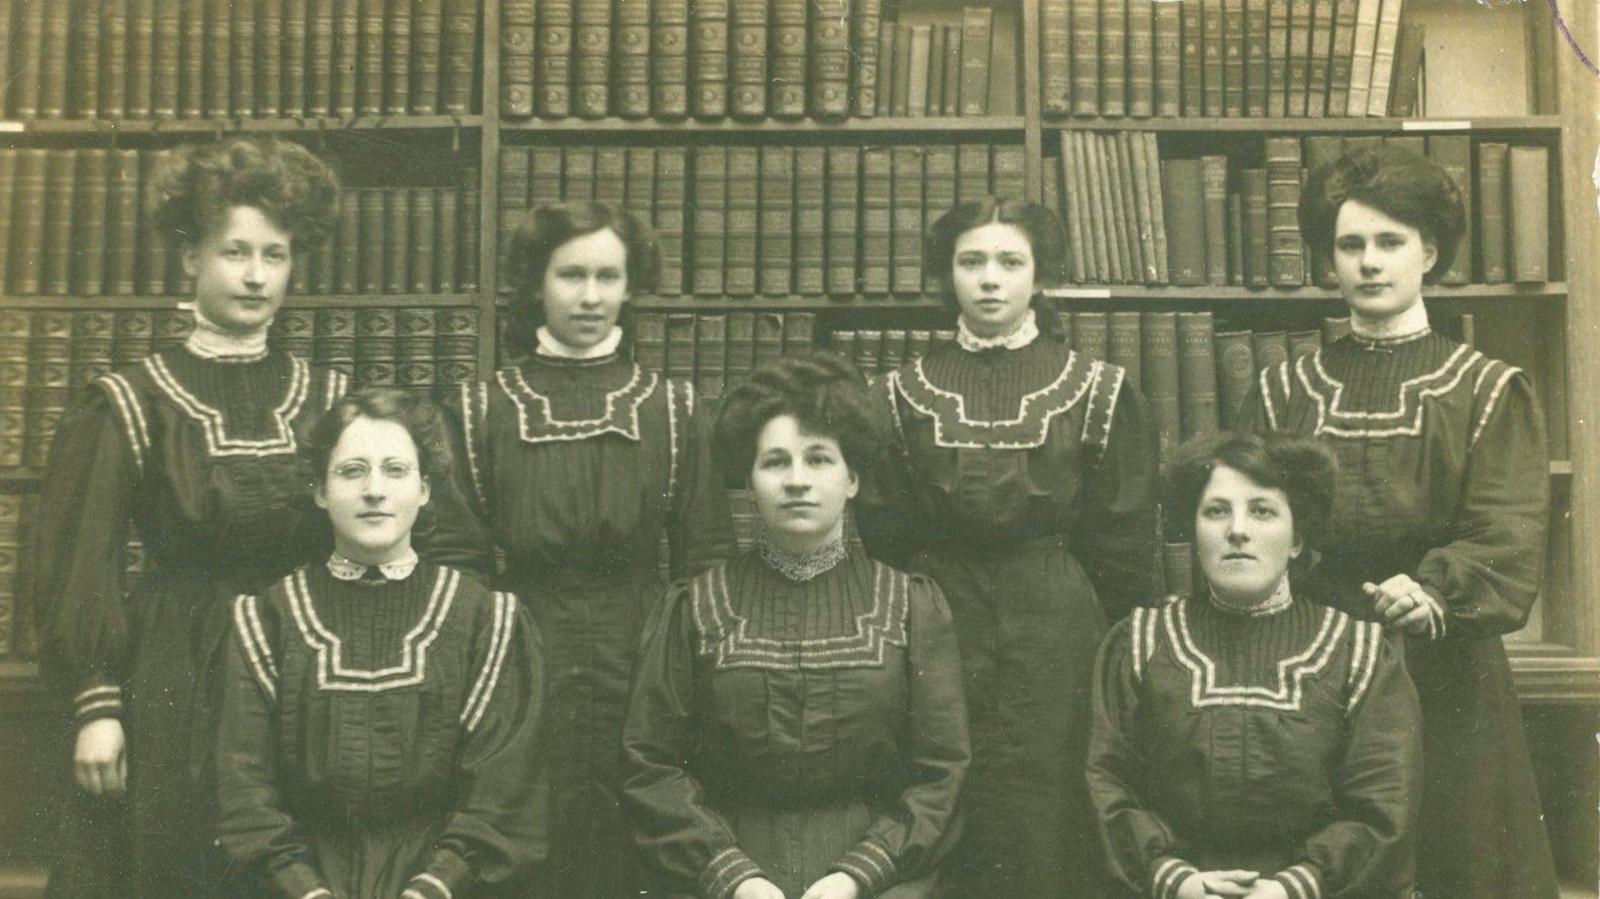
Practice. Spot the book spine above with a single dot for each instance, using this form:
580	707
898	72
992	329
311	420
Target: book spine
681	347
15	325
747	59
517	37
9	163
740	346
369	201
1212	49
60	182
1158	333
810	220
1527	182
89	233
708	59
972	172
1383	58
899	80
710	219
296	47
787	82
397	57
397	238
650	341
1318	69
376	350
591	59
346	55
456	345
458	56
1009	174
1256	68
1145	182
1236	374
49	358
1407	71
1253	194
269	59
669	59
710	354
28	47
906	246
1141	58
877	220
1094	215
164	58
1285	265
447	202
977	24
1183	190
242	52
866	28
892	352
1169	59
1362	57
1120	142
744	216
1214	187
1197	374
1085	21
369	86
1492	211
776	231
1111	181
1125	346
843	212
1453	153
1177	564
577	173
1071	214
671	187
416	338
123	65
769	337
554	29
610	174
214	34
919	70
82	97
869	351
423	214
1278	12
799	333
939	193
1303	343
883	104
1322	150
1193	56
1341	57
1233	57
1055	57
1297	88
1113	57
631	35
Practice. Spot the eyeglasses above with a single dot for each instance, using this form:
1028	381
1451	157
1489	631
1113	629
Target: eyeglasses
359	471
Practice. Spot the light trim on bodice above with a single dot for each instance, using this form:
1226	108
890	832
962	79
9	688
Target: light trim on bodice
953	428
332	673
131	413
253	639
1293	671
725	634
621	415
503	624
215	425
1327	393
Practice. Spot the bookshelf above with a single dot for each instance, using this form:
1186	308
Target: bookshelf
1531	90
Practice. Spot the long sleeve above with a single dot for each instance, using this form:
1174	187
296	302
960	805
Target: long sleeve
701	531
73	563
685	838
498	827
454	528
1142	851
887	511
1486	578
254	826
1368	850
1116	526
910	839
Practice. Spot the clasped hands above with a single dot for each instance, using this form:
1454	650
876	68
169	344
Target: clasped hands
1401	603
833	886
1230	885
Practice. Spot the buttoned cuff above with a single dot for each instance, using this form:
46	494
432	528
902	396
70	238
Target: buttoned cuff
97	700
1167	874
1300	881
448	875
869	863
726	870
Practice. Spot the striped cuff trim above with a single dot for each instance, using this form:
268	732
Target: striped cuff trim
98	702
426	886
870	864
1170	873
319	893
1300	882
726	870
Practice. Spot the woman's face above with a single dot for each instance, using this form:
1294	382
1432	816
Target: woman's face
992	271
800	483
240	270
1245	536
1380	261
584	288
373	489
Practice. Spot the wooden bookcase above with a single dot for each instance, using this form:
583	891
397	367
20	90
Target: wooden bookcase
1549	327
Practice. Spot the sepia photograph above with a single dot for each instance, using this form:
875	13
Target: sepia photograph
799	449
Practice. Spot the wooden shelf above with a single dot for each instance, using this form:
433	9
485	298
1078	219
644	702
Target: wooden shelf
229	124
928	125
1545	123
1548	673
1207	294
785	304
302	301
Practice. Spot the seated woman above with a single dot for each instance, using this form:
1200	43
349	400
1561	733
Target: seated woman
378	726
1251	741
797	726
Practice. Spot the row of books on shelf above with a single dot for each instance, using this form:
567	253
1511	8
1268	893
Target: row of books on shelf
47	356
1232	58
1133	217
164	59
715	350
773	220
76	222
753	59
15	636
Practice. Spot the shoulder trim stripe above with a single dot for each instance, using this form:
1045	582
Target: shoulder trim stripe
1102	407
338	385
471	434
1292	671
673	436
332	674
1266	392
953	428
499	641
621	415
247	624
130	413
1364	660
1494	397
1406	418
215	425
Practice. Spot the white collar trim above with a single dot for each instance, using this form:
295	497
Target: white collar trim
398	570
550	346
211	342
1025	334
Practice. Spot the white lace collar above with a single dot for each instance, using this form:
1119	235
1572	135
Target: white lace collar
208	341
1280	599
1408	325
398	570
550	346
1025	334
807	566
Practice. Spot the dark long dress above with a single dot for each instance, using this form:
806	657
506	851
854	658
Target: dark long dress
786	729
1284	744
200	455
1023	482
1443	477
379	738
575	469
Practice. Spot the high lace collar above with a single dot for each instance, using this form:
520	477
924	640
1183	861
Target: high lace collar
553	348
208	341
1405	327
1282	597
398	570
806	566
1026	333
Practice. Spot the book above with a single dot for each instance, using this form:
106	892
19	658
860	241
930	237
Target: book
1113	57
83	95
1235	238
1214	196
670	216
1141	58
768	341
122	66
1236	374
799	333
296	37
458	57
397	57
1169	61
877	220
950	92
1453	153
1299	71
631	68
843	214
1285	265
681	346
89	243
421	231
610	174
346	56
396	238
577	173
776	223
416	340
1383	58
1253	199
747	58
1055	57
1193	60
1342	59
1091	334
919	70
554	27
829	59
743	216
591	60
1528	185
1317	70
708	59
810	220
1404	84
1234	45
1102	191
1158	218
1183	195
369	87
1084	17
883	98
1159	377
866	29
977	25
939	193
1177	560
787	79
447	202
517	38
1322	150
650	341
166	54
1070	215
868	355
1278	12
710	354
1197	374
741	347
972	172
900	73
1256	32
1125	345
60	185
1096	240
1492	205
456	345
906	205
710	219
669	59
1121	185
1212	48
471	236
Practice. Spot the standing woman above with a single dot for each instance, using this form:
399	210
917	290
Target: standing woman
1442	508
195	446
577	461
1022	480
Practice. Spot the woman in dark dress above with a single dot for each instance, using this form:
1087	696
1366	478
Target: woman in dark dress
797	725
1021	478
196	447
380	713
577	461
1251	741
1443	502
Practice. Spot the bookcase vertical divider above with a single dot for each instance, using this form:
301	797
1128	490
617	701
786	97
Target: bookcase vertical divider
489	193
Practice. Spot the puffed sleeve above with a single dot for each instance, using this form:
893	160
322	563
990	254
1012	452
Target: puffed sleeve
702	524
254	826
72	566
1142	851
455	528
888	511
498	828
1484	580
688	842
1116	525
1369	849
910	839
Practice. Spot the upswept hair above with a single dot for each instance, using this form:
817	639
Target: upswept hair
1302	468
826	395
1400	183
195	185
418	416
1046	237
